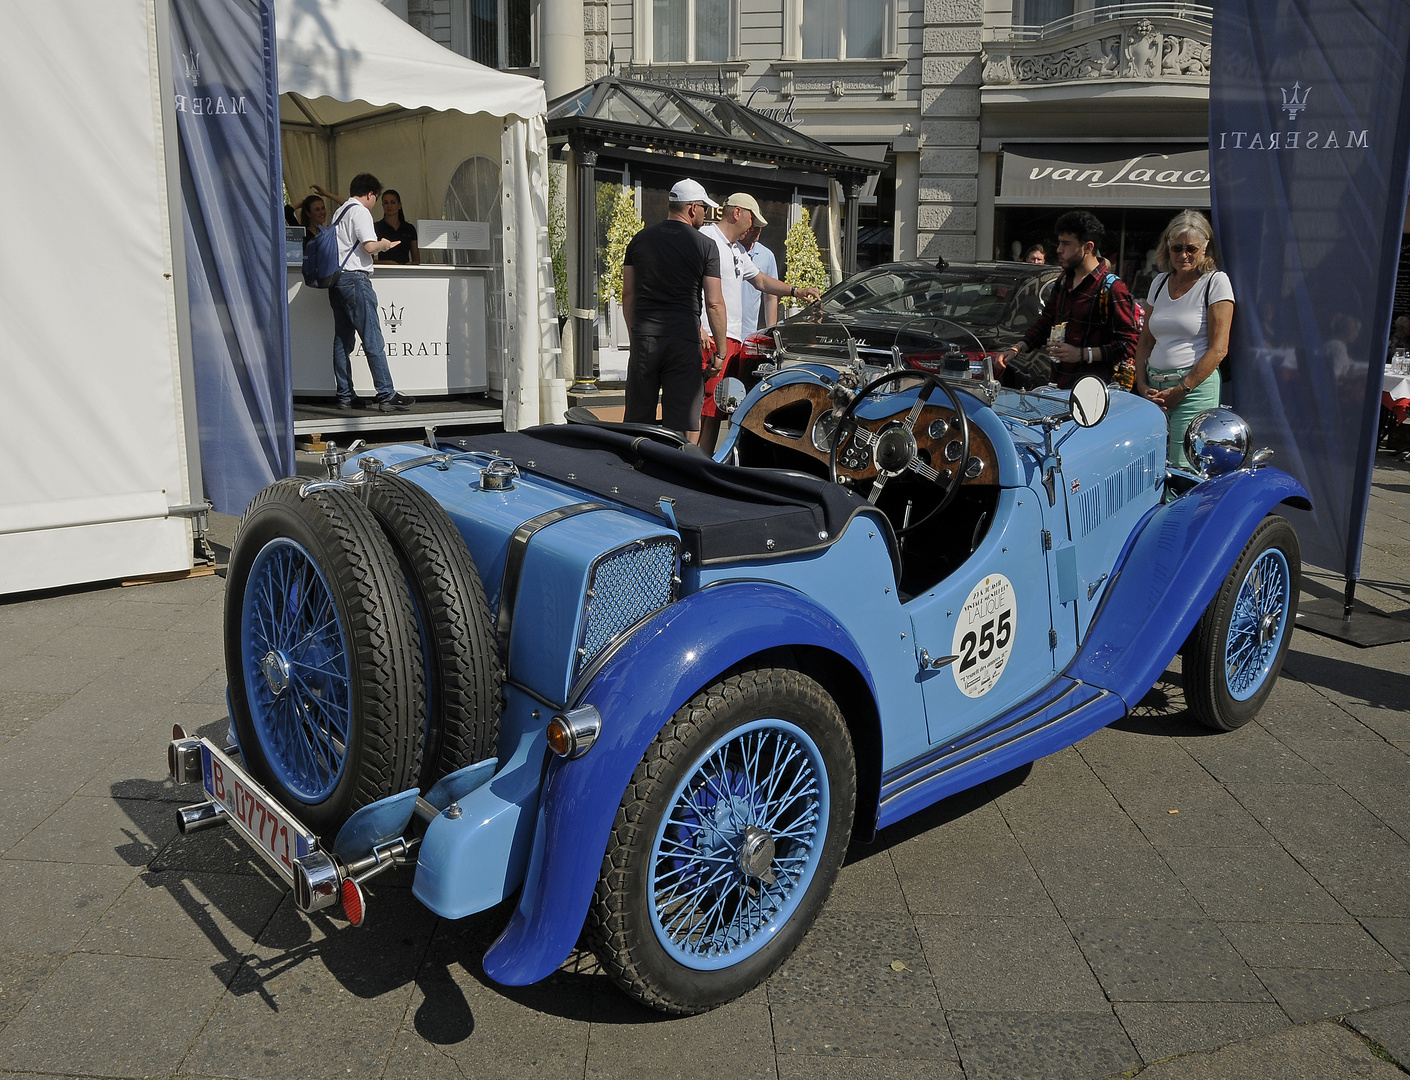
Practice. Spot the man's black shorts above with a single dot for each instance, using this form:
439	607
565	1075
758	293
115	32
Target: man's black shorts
671	367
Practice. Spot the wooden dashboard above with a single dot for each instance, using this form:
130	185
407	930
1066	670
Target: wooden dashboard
791	416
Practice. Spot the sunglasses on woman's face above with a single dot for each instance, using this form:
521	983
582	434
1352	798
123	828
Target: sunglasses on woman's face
1184	249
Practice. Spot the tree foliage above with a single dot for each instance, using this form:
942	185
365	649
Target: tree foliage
624	223
804	257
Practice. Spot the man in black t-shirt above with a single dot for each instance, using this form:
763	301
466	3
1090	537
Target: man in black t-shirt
665	268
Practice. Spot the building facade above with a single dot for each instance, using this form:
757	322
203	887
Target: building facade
990	116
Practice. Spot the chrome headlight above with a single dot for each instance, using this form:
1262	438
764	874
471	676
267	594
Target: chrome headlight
1217	442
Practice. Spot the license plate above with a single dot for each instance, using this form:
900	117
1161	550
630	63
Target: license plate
270	829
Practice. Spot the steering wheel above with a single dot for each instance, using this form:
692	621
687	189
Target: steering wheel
893	446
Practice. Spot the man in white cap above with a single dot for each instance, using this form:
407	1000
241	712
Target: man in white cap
741	212
667	268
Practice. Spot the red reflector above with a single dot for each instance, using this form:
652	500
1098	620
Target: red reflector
352	902
758	347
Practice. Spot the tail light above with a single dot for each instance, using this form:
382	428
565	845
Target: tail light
758	347
353	906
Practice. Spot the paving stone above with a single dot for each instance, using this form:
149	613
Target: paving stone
1375	776
1030	964
1252	883
1367	880
1041	1046
187	916
1162	1029
1165	960
847	958
969	878
61	674
342	990
866	1032
1312	818
868	883
459	1025
1388	1028
1393	935
1347	946
641	1043
86	1018
108	831
1252	756
20	708
60	902
1096	875
817	1067
218	851
1173	816
1305	1052
21	975
1319	993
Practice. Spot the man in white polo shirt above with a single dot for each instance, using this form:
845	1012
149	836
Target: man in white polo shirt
738	214
354	301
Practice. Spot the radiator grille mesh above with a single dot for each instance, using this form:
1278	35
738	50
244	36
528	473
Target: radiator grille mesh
625	587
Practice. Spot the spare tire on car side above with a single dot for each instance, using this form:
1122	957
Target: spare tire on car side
463	673
322	654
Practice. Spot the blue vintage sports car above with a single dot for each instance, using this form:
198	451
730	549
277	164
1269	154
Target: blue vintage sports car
656	693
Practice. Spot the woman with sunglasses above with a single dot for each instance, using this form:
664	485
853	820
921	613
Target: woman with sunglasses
1189	308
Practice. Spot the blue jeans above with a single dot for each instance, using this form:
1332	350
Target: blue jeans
354	304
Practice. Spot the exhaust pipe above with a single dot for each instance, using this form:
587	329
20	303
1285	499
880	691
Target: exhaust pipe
190	819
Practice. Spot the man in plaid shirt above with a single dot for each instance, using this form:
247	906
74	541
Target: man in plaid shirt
1098	318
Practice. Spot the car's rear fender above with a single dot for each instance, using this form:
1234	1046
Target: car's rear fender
1169	573
667	660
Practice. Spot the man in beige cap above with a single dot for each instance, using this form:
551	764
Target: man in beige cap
738	214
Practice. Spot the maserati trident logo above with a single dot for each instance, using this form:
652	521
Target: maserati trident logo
192	61
392	316
1292	103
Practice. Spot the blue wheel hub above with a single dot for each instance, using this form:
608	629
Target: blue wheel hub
294	656
1258	624
739	844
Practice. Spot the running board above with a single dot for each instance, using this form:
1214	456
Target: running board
1017	740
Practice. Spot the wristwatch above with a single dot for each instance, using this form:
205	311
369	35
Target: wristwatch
720	358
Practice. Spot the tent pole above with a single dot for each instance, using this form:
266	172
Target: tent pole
585	297
1349	599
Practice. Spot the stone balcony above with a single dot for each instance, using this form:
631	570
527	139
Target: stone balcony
1158	50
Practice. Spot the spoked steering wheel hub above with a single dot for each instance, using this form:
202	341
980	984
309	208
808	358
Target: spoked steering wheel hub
896	449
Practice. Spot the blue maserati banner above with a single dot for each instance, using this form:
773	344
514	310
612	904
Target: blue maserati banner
227	113
1309	141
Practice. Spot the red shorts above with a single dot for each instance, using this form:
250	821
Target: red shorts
730	370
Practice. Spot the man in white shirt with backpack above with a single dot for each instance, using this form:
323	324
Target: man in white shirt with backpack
354	301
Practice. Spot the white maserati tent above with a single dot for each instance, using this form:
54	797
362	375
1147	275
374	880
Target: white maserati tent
362	91
98	437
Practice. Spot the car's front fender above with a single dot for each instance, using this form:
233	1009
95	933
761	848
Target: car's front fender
1171	571
668	660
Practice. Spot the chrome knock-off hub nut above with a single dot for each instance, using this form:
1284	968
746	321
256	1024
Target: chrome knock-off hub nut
276	672
756	855
1267	626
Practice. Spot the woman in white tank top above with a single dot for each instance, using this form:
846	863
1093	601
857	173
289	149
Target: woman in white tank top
1189	310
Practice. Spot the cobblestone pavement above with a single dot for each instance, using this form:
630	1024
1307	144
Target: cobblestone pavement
1156	899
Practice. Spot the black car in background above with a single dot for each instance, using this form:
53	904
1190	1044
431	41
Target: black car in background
930	318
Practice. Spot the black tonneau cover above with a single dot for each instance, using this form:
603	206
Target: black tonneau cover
725	513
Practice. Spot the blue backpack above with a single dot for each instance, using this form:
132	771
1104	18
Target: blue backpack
321	266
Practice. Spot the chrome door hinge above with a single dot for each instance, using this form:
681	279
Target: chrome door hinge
1047	540
1052	639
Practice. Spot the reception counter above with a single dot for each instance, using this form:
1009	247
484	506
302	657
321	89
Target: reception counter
434	320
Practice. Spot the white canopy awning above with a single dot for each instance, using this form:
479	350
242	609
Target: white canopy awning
359	89
342	56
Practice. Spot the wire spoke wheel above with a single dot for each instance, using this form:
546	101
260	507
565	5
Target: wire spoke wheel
741	841
1259	622
324	660
295	665
727	840
1235	653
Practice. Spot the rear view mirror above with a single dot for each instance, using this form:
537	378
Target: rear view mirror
1089	401
728	394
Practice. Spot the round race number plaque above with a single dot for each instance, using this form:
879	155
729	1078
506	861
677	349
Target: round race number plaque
984	635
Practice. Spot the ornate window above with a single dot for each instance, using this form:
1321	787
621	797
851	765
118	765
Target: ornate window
681	31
